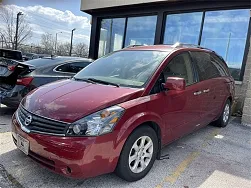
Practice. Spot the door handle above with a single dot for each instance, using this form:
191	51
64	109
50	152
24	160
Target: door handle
197	93
206	90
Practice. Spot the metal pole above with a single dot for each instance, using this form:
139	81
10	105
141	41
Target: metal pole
56	42
18	14
228	44
71	40
2	40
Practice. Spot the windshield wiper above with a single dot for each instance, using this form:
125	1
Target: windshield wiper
102	82
85	80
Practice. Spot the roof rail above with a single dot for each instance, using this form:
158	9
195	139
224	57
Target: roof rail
135	45
177	44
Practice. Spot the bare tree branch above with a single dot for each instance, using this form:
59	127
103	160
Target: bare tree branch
8	27
81	50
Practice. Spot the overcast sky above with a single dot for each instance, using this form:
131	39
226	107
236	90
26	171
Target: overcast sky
53	16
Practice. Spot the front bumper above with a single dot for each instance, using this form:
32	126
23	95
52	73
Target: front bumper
76	157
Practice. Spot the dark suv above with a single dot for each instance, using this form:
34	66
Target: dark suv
118	112
11	54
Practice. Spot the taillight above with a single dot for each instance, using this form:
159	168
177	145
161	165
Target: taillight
24	81
11	67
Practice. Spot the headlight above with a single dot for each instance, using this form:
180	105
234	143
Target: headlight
97	123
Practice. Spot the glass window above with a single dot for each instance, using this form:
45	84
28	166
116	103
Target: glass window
180	66
184	28
220	65
206	69
74	67
226	32
141	30
125	68
111	35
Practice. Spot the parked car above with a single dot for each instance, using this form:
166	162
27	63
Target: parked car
17	79
116	114
43	55
30	56
11	54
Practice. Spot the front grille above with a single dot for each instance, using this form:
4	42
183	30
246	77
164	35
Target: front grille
40	124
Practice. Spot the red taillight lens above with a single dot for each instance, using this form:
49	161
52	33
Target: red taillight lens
11	67
24	81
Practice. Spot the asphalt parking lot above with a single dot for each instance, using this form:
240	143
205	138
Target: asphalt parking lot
211	157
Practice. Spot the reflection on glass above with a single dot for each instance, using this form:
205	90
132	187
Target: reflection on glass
125	68
183	28
226	32
111	35
141	30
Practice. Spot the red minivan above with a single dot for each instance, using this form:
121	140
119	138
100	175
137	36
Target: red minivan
117	113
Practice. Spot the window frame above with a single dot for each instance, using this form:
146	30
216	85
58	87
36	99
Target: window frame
183	12
247	43
125	28
128	17
161	12
124	33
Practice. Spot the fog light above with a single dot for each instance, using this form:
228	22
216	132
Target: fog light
68	170
76	129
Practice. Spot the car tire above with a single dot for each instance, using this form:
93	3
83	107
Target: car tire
225	115
138	154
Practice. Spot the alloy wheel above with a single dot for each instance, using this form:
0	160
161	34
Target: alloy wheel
140	154
226	113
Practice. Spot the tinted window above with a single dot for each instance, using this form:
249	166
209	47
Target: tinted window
125	68
72	67
180	66
184	28
111	35
220	65
206	69
225	32
45	61
141	30
42	62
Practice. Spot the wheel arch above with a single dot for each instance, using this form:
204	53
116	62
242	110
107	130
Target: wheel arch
157	130
155	126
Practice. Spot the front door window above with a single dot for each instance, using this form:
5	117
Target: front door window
180	66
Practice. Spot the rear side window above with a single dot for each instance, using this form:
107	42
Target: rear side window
206	68
220	65
42	62
74	67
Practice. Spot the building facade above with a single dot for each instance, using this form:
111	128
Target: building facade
223	26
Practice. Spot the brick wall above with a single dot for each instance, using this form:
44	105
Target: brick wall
246	91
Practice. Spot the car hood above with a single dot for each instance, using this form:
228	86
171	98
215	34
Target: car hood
70	100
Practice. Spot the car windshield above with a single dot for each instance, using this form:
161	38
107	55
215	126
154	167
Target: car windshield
124	68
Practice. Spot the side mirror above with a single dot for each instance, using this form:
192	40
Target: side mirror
175	83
